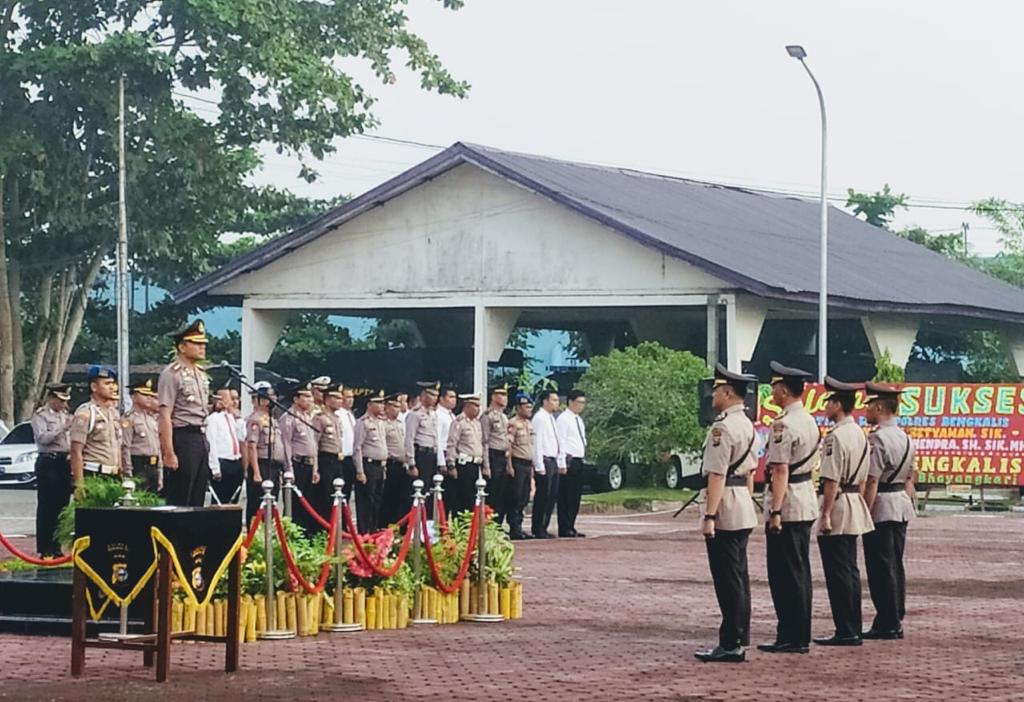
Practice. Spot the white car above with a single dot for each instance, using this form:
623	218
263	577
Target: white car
18	457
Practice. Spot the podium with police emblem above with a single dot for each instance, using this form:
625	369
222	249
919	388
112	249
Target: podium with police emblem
118	551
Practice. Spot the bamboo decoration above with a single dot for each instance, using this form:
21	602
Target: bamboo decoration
297	603
291	612
359	599
189	623
261	613
493	606
403	612
251	619
505	598
348	607
464	597
282	610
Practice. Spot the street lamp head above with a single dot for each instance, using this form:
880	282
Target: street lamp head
796	51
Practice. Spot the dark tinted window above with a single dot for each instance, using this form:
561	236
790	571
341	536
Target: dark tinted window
21	434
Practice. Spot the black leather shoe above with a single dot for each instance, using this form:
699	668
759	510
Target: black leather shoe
564	535
882	635
520	537
838	640
544	535
777	647
721	655
578	535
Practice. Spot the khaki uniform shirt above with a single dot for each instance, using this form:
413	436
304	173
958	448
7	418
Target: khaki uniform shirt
465	441
257	428
98	429
495	433
888	445
298	438
794	437
328	425
139	435
420	430
370	442
394	437
727	441
844	460
186	390
50	429
520	438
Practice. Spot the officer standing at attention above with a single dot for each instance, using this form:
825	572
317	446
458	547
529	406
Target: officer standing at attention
397	496
328	430
496	452
265	446
548	464
95	434
888	496
520	438
446	403
140	431
183	390
348	431
370	453
728	514
300	452
572	435
50	424
844	514
465	453
790	507
421	437
320	386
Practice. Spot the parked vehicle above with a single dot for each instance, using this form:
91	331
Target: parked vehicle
681	470
18	457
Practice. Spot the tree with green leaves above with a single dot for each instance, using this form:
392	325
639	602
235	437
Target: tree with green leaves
275	71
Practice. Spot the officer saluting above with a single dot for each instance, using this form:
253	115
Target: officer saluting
728	515
888	496
183	390
790	507
50	424
844	514
141	434
95	434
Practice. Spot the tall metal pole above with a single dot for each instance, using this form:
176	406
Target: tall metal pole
122	253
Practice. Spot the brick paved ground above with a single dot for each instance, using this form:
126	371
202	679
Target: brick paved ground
615	618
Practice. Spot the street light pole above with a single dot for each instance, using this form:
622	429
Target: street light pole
799	54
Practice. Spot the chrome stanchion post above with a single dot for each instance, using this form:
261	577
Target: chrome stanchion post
339	625
127	500
437	492
272	631
287	489
481	554
417	541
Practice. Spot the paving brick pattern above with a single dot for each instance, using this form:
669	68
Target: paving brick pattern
615	618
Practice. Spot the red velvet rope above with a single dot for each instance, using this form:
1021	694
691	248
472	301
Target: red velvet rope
442	516
45	562
358	542
290	561
256	520
471	544
312	512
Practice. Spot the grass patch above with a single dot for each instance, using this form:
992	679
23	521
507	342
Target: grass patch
625	495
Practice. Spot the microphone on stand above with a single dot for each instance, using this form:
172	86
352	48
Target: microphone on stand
231	367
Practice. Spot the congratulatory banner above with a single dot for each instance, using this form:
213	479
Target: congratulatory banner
963	433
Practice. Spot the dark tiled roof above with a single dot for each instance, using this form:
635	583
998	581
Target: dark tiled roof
762	243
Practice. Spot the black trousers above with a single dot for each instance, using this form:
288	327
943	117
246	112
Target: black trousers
570	489
883	559
348	474
53	492
147	469
426	467
304	482
369	498
186	486
789	579
396	499
727	557
330	467
465	485
269	470
498	484
842	579
518	494
545	497
230	480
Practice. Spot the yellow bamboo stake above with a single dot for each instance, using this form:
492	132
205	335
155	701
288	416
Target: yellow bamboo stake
190	616
493	606
403	612
261	613
371	612
298	612
506	602
251	620
464	598
359	604
177	615
381	607
347	607
291	612
282	609
211	620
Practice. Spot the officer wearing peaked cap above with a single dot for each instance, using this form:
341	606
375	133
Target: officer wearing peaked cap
370	454
320	385
497	464
301	451
421	436
265	447
397	483
183	391
330	455
465	454
728	514
888	494
50	424
141	433
790	507
843	513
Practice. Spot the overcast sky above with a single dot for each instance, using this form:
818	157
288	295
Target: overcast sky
923	95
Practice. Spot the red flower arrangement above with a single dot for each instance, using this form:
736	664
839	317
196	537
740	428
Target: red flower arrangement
377	547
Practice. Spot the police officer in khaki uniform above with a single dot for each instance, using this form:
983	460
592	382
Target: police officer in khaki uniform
50	424
728	515
421	437
300	452
520	439
790	508
183	390
95	434
465	453
320	386
265	446
397	497
888	494
141	434
328	430
494	424
843	513
369	454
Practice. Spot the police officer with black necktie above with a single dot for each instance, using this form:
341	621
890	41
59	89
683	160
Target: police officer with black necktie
50	425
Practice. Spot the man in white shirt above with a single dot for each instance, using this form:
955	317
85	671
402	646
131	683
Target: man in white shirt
572	437
402	399
446	402
225	455
348	433
548	464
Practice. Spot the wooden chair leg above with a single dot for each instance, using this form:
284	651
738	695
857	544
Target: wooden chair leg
78	622
148	627
234	596
163	620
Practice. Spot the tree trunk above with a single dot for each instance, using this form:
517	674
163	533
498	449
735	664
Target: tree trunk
17	339
33	389
77	314
6	326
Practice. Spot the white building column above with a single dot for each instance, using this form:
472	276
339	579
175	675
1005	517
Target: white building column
1013	341
491	329
260	331
893	333
744	318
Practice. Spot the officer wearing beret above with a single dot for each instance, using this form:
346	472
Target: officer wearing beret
141	435
95	434
50	424
728	515
843	513
183	390
369	455
888	494
790	507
